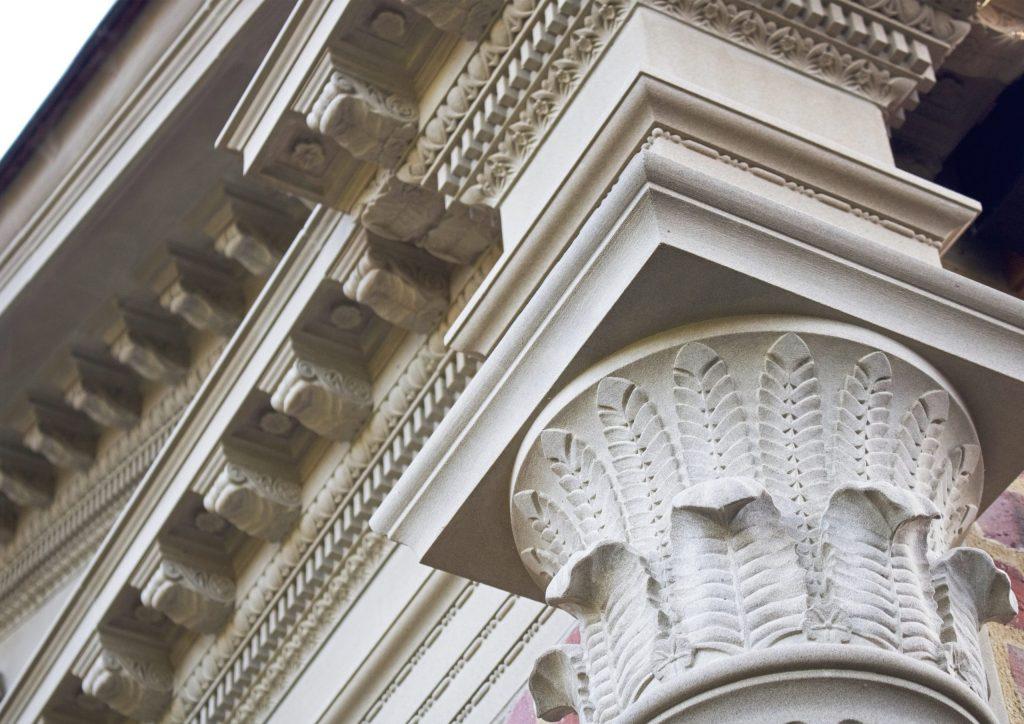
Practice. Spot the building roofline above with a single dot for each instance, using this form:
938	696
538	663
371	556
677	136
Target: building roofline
100	43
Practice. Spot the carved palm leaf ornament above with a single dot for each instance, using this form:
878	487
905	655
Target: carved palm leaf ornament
684	511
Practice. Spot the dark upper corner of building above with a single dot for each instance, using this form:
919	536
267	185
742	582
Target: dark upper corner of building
89	59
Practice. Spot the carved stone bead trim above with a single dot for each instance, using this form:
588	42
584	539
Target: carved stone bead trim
742	492
887	62
796	186
133	679
468	18
529	91
331	400
508	31
371	124
191	591
261	503
405	292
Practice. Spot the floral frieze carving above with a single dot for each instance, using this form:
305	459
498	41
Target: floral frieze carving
749	491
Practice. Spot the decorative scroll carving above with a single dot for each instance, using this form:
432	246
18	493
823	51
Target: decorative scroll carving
25	479
684	513
192	592
371	124
62	436
202	295
252	232
410	295
107	395
468	18
153	347
264	504
131	677
329	397
408	212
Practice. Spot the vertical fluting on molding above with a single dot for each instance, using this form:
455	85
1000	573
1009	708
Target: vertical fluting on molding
685	515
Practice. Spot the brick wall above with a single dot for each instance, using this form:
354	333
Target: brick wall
1000	531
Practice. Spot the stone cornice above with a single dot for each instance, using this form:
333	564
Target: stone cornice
69	530
330	526
124	547
142	113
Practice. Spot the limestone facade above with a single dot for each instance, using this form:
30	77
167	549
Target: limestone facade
486	360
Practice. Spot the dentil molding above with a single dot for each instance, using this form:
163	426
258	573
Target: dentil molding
746	492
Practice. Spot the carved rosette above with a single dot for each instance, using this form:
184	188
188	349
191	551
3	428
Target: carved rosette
370	123
698	500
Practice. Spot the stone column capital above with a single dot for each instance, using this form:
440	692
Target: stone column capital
708	496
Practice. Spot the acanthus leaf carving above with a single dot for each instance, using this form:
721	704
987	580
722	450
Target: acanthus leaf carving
801	500
970	590
609	588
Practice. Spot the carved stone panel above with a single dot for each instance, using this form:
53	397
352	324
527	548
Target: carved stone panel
324	387
131	677
370	123
264	503
741	496
191	589
401	291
